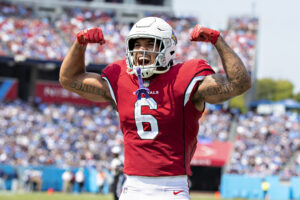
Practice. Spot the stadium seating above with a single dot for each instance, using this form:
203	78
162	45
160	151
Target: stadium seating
23	33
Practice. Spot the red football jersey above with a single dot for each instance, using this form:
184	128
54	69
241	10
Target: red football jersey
160	133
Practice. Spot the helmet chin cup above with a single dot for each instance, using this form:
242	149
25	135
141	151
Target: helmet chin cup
145	72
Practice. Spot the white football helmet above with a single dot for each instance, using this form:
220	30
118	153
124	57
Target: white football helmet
163	35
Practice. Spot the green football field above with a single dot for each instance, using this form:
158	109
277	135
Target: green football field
61	196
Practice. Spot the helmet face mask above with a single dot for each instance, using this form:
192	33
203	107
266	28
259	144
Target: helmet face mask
163	40
145	52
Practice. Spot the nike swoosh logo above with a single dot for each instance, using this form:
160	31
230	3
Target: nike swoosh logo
177	192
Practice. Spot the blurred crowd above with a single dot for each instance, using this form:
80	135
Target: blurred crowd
70	136
214	125
24	33
64	136
265	145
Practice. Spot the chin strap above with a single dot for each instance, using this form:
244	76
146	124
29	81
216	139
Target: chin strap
142	89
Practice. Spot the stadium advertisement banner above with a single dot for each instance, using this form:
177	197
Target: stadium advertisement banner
53	92
213	154
8	89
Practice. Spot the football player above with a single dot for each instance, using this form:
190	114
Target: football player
159	102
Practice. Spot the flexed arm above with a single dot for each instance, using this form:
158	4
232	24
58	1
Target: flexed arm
217	88
72	75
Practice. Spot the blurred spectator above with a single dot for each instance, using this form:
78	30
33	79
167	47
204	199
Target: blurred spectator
100	180
14	180
117	171
36	180
79	179
2	180
68	181
33	180
265	185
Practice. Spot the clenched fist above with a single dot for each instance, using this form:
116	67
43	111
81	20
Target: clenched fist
91	35
204	34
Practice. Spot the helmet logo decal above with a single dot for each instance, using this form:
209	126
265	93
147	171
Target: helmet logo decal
174	37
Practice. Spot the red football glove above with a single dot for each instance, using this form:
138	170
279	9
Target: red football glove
204	34
91	35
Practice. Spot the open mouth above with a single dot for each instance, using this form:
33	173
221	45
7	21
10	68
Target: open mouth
143	61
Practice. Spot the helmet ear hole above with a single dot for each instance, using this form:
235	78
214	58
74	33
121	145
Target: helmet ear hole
131	44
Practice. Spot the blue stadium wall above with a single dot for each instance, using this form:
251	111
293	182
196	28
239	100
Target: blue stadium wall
249	187
52	178
232	185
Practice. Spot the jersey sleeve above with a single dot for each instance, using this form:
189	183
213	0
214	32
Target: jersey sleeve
198	69
111	74
203	68
111	71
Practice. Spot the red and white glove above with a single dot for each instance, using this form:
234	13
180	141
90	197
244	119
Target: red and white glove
204	34
91	35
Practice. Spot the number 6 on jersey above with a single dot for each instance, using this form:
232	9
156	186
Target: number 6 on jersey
140	118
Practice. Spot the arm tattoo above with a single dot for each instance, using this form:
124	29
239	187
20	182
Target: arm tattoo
88	88
217	90
235	82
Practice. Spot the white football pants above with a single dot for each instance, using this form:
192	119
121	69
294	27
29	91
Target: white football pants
155	188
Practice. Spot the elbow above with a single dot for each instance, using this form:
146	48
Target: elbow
61	78
241	86
63	81
244	86
248	83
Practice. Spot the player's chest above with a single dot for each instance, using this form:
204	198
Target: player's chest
164	102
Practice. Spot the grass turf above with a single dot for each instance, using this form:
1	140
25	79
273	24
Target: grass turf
85	196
